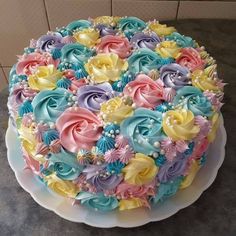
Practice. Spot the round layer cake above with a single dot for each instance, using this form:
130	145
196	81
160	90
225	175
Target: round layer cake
114	112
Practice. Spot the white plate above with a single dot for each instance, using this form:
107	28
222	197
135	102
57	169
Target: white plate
63	207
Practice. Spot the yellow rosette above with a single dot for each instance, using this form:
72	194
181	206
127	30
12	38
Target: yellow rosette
168	49
28	140
64	188
115	110
106	20
161	29
132	203
204	80
215	122
44	78
87	37
140	170
105	67
179	125
29	143
194	168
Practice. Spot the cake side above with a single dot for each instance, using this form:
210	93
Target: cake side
115	112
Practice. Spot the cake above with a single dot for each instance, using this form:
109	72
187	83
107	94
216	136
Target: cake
115	113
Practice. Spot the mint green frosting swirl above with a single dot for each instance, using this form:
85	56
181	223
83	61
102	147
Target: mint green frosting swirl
97	201
78	25
191	98
131	24
166	190
49	104
181	40
76	53
65	165
144	60
143	129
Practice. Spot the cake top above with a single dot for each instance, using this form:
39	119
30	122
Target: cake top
110	106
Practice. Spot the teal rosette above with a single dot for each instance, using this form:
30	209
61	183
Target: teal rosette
49	104
130	25
191	98
76	53
181	40
166	190
144	60
77	25
97	201
144	130
65	165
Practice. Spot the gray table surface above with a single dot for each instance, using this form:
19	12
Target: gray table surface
214	213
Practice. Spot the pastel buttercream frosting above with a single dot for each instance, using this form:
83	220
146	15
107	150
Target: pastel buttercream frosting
115	113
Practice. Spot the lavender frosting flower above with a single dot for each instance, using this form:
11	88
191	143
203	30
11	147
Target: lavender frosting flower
91	96
171	170
98	177
49	42
105	30
174	76
142	40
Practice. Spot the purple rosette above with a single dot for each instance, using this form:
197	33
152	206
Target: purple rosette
142	40
91	96
174	76
171	170
105	30
100	178
49	42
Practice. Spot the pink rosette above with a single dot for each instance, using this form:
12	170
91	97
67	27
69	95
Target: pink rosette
144	91
114	44
126	191
28	63
79	128
190	58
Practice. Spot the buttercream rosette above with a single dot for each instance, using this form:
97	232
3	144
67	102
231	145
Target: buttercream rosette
115	112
